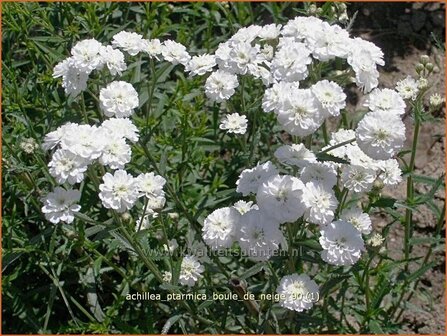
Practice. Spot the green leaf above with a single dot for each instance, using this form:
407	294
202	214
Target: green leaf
252	271
122	241
169	323
420	272
384	202
328	157
374	327
331	283
425	240
311	244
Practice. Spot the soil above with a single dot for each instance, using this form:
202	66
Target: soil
415	24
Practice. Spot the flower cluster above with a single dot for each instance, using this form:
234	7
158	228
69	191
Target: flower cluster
76	147
282	57
298	187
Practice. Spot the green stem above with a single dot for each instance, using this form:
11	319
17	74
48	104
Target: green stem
325	135
336	146
151	92
309	142
290	236
146	202
426	258
410	191
365	284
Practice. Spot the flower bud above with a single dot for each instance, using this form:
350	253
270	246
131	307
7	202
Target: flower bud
422	83
158	235
419	68
343	17
425	59
173	215
378	184
430	67
312	10
126	217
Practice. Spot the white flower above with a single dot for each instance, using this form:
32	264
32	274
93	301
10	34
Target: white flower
116	152
290	62
150	184
243	207
167	276
375	240
320	202
358	158
54	138
299	292
29	145
385	100
267	52
243	56
295	155
259	235
364	57
436	100
261	72
118	99
220	85
84	140
222	54
275	96
408	88
246	34
250	179
357	179
234	123
190	271
219	228
321	173
328	42
330	97
358	219
200	65
153	48
391	172
130	42
60	205
380	135
86	55
122	127
342	244
119	191
174	52
299	114
155	203
114	60
269	32
67	167
280	196
302	28
74	81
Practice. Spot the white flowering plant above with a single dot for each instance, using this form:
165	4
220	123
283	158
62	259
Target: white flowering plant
202	153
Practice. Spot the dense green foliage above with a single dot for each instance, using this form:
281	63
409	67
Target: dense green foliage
74	278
